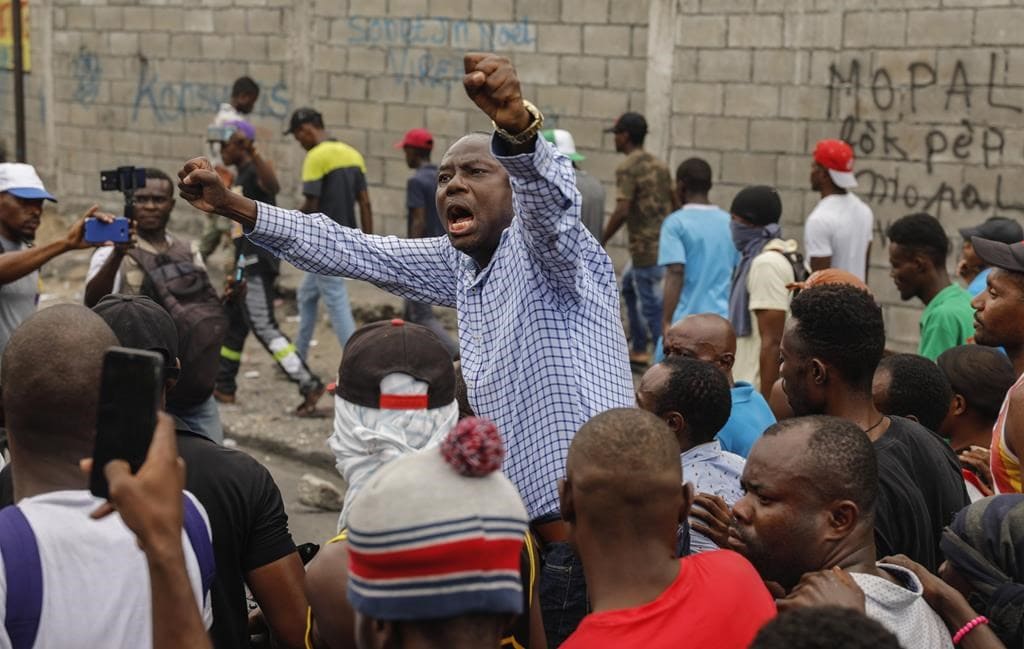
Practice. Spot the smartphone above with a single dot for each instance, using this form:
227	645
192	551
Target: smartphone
96	231
129	398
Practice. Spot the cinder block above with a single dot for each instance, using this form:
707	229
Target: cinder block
428	94
697	98
124	43
331	8
368	8
585	11
874	29
403	118
380	89
559	38
612	40
935	28
808	102
216	46
785	66
747	168
777	135
199	20
721	133
751	100
629	74
365	59
560	99
537	68
724	65
607	104
138	18
154	45
682	131
639	41
582	71
998	26
79	17
452	8
813	29
492	10
168	19
228	21
701	31
365	115
248	48
408	8
632	12
264	21
109	18
538	10
755	31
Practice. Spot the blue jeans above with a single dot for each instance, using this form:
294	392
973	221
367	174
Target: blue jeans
335	296
563	592
203	418
643	285
423	314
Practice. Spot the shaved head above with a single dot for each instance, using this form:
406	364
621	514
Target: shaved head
705	336
51	381
624	473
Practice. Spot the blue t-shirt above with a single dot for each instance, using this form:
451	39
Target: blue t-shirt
979	283
699	237
749	418
421	191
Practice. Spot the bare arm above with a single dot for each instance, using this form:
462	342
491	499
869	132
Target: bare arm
326	581
365	212
265	175
102	283
278	588
417	222
1015	423
17	264
675	276
770	324
820	263
616	220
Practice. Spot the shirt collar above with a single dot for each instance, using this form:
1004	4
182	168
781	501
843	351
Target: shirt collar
702	452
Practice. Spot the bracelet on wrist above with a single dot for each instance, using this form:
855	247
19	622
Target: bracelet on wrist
967	628
526	134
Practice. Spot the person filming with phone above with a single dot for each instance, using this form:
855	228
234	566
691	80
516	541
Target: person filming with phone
21	207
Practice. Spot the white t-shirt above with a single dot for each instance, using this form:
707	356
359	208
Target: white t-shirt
766	284
841	227
95	578
902	609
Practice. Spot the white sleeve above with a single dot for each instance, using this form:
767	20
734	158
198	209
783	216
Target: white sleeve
96	263
817	239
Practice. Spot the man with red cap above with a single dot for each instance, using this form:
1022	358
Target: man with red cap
838	231
423	220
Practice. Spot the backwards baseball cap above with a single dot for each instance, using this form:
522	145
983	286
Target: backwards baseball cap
21	180
632	123
140	323
437	534
417	138
758	204
395	346
837	157
996	228
1001	255
303	116
563	141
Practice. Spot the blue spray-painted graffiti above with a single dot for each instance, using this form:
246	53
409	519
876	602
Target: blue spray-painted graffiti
87	73
171	100
448	35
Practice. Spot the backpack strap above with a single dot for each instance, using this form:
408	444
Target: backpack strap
196	530
23	572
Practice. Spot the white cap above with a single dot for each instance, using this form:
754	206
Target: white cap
22	181
843	179
563	141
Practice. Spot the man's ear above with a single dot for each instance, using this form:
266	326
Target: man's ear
565	501
675	422
843	517
958	406
727	360
687	504
819	372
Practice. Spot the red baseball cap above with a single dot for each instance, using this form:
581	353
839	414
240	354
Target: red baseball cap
837	157
417	138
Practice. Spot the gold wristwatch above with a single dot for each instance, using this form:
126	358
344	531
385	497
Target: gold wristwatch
523	136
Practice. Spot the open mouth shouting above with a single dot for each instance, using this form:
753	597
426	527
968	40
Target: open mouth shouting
460	220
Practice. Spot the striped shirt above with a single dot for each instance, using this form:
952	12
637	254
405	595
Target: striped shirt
540	332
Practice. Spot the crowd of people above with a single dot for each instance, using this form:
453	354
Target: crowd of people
774	477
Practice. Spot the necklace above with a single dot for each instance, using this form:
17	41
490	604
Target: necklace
876	424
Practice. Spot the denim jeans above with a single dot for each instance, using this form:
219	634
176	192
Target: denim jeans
563	592
335	295
203	418
423	314
641	289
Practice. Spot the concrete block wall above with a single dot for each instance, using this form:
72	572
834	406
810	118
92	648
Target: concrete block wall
930	92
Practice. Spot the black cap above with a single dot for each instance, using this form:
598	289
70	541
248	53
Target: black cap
996	228
140	323
391	346
303	116
632	123
1001	255
758	204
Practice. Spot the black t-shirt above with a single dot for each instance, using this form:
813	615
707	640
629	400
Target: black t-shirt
902	522
250	526
930	463
249	181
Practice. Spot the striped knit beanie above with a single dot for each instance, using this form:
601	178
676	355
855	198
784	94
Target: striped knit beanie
438	534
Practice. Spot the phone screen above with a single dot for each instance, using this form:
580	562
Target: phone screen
129	397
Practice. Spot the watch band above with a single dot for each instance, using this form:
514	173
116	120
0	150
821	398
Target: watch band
525	135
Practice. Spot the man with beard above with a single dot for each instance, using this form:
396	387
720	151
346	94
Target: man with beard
999	311
21	207
811	488
830	349
540	333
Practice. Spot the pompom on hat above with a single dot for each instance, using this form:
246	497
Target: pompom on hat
438	533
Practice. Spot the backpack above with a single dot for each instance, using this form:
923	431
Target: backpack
184	290
23	570
796	260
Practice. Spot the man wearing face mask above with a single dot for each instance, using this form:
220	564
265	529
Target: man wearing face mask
759	299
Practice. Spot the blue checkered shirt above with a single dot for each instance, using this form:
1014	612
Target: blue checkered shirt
540	331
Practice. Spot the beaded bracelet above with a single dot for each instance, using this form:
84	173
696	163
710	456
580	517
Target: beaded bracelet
967	628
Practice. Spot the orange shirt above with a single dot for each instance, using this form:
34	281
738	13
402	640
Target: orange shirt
1006	472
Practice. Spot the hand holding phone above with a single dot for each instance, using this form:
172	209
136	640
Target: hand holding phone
97	231
130	391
